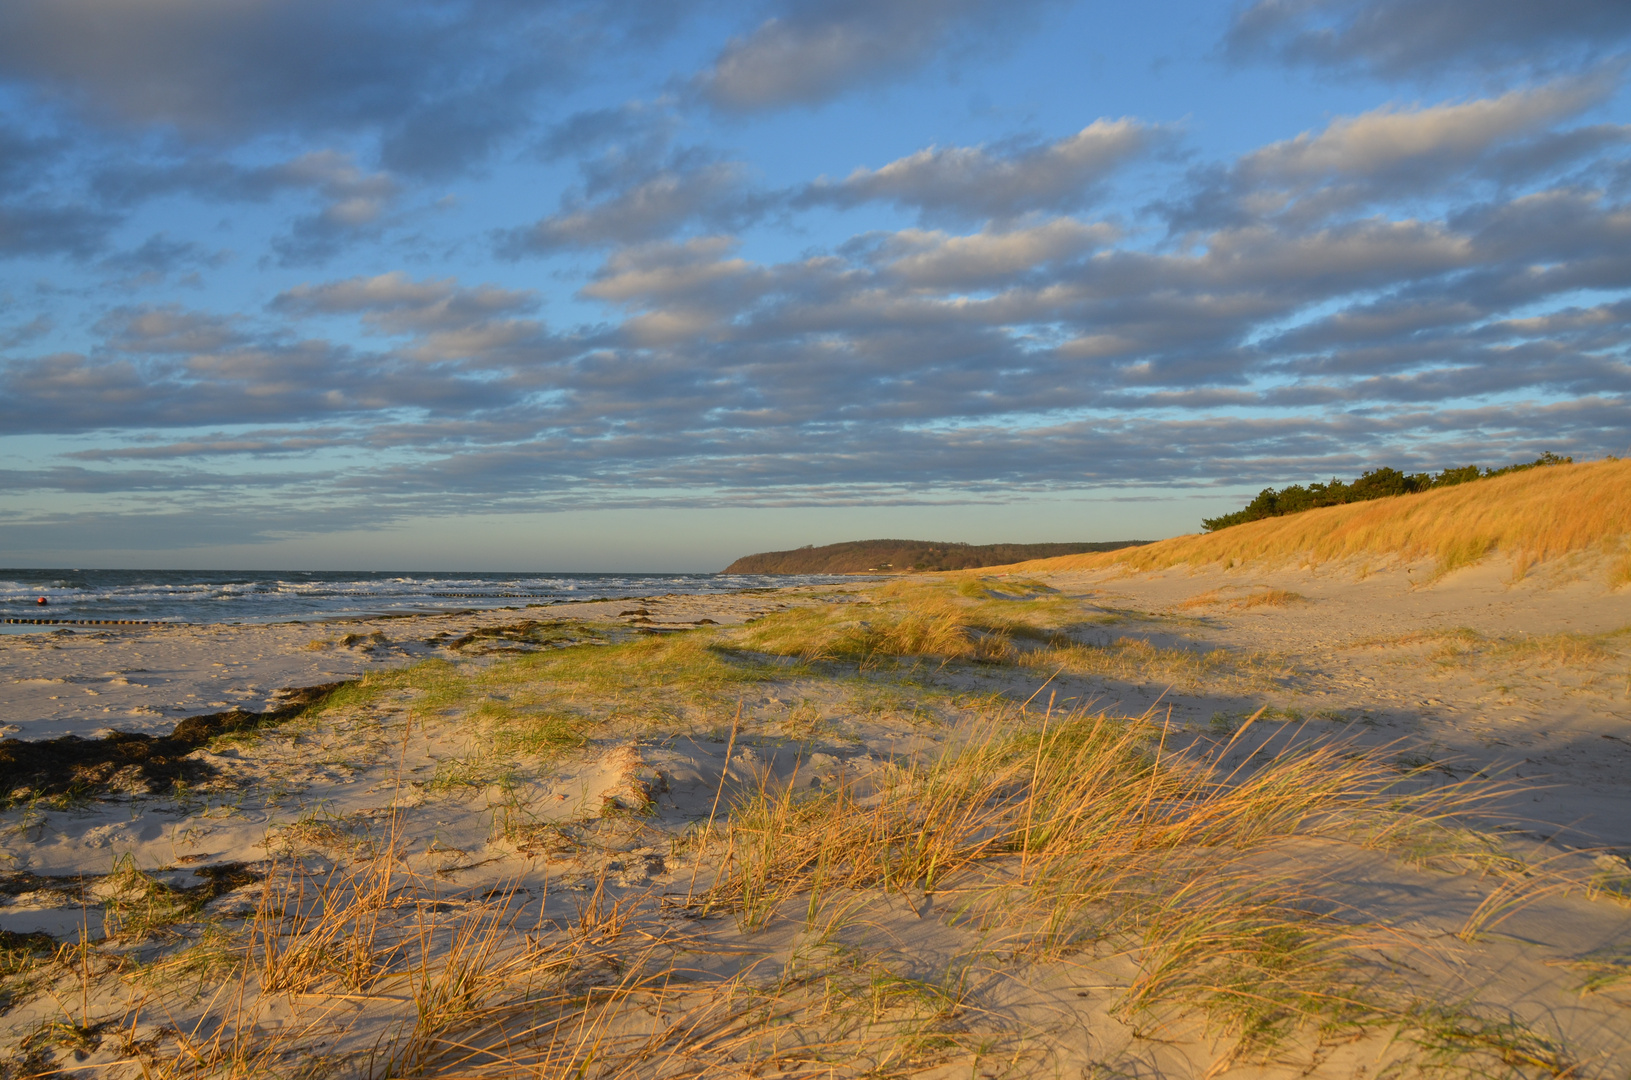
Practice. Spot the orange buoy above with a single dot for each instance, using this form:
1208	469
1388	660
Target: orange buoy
42	601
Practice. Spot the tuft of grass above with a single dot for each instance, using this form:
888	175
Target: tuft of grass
1619	574
1586	656
968	619
696	665
1555	650
437	685
1451	1038
1602	969
538	732
1136	660
1255	961
519	697
317	830
22	958
473	772
1611	878
1227	722
1262	597
137	905
1271	598
941	629
1008	588
804	722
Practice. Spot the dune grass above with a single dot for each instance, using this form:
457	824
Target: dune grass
1561	650
938	627
1132	659
1052	838
1263	596
1574	661
974	619
540	702
1528	517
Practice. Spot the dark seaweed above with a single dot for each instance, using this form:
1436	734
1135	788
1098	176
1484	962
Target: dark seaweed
129	762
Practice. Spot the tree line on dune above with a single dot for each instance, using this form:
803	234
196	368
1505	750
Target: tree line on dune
1376	484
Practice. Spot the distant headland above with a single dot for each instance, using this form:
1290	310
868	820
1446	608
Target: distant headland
901	556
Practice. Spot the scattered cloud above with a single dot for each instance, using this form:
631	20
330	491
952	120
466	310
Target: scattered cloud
166	329
1422	144
260	443
13	337
397	303
691	189
158	256
25	157
440	81
632	124
976	183
37	227
988	259
447	321
816	50
353	202
1423	38
1392	154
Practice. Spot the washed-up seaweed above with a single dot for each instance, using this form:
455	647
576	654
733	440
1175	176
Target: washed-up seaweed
131	762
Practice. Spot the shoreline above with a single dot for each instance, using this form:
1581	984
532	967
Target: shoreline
205	597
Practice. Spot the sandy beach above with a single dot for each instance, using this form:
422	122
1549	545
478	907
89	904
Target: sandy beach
78	680
575	787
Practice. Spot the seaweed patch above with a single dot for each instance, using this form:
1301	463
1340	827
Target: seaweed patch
128	762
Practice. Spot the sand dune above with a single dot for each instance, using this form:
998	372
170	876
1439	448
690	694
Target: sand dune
1538	515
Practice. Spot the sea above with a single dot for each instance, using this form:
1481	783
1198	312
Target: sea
192	596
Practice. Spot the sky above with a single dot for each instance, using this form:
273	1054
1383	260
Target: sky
581	285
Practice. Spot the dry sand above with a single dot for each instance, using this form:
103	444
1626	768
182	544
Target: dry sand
1400	654
1470	673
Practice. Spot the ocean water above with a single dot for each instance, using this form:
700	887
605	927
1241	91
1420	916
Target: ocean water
277	596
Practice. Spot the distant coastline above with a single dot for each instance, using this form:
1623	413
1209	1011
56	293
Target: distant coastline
904	556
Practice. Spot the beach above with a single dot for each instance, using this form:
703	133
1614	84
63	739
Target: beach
78	677
589	794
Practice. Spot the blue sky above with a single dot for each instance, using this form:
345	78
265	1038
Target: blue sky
578	285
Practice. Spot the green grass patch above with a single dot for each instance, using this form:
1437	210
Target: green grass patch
695	664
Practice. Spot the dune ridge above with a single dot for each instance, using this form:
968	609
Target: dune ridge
1530	517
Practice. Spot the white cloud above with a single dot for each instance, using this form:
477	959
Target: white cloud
816	51
655	206
934	260
1440	137
981	182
